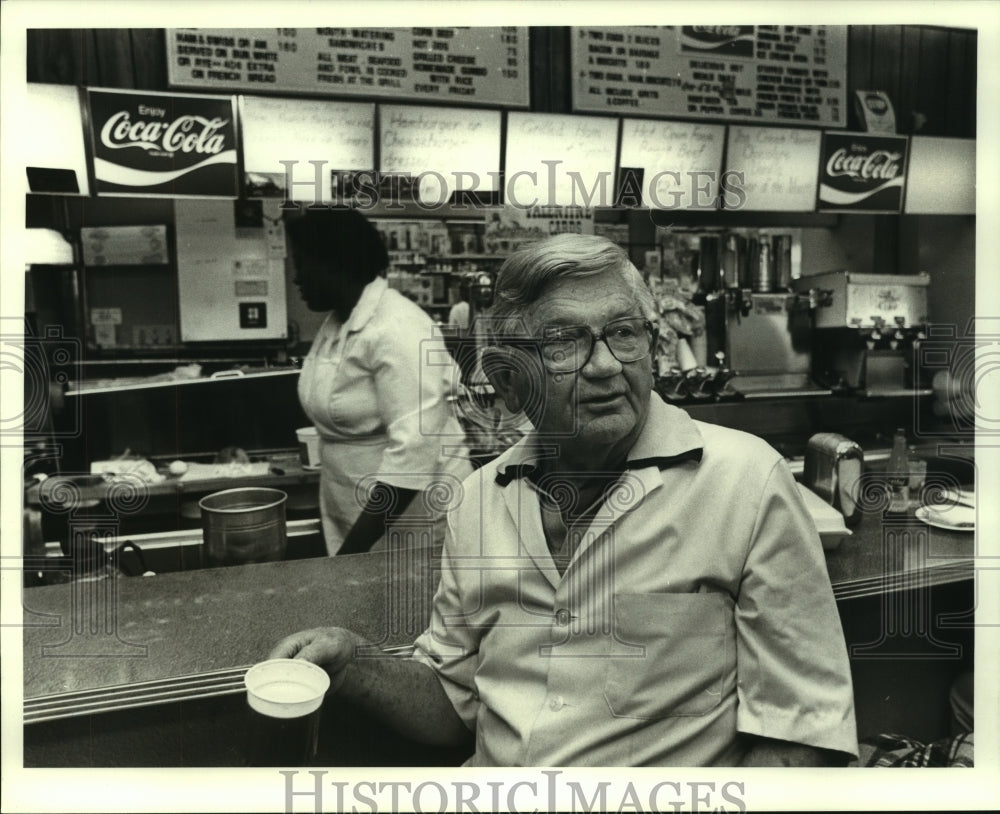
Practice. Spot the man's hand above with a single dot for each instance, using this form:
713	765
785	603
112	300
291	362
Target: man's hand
770	752
332	648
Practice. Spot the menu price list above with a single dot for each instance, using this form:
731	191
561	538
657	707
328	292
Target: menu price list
749	73
481	65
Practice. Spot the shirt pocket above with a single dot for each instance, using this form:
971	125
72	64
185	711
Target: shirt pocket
670	654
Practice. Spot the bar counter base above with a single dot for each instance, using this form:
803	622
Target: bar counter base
211	733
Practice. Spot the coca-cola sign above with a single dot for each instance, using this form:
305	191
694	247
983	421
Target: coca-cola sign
175	145
720	40
862	173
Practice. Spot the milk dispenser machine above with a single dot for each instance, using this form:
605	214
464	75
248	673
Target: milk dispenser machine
864	329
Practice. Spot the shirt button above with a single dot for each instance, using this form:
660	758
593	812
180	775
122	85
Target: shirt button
556	703
562	617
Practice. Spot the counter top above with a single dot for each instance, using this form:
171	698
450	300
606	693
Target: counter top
197	631
125	631
898	553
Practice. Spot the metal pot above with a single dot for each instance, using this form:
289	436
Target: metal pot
244	525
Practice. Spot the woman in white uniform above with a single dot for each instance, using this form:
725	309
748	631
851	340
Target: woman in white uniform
377	384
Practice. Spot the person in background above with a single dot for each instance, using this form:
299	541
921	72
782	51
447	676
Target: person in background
625	586
460	314
373	383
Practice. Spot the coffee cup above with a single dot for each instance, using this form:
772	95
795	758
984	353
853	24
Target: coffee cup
308	439
285	699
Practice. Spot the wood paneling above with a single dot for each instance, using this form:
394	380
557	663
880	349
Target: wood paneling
859	58
886	60
149	58
909	65
932	82
928	72
62	57
971	75
961	92
113	50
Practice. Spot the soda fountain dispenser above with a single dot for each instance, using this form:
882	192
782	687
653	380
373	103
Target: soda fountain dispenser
865	327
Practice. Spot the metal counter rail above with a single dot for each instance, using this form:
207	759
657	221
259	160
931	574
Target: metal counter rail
182	538
958	570
148	693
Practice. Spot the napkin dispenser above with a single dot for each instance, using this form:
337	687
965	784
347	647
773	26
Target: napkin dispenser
832	469
828	521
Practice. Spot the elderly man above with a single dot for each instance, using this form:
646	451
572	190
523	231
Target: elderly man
625	586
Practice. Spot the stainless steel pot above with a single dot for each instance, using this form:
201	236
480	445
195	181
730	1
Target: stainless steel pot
244	525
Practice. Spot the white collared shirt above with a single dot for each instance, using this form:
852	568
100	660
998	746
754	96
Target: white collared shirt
384	377
696	606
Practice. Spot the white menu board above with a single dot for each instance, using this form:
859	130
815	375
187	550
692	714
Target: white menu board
777	168
764	73
482	65
449	149
560	160
338	134
941	178
680	162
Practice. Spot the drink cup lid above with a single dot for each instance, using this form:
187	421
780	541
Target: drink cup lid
286	688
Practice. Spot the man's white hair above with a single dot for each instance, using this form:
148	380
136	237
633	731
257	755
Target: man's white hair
529	272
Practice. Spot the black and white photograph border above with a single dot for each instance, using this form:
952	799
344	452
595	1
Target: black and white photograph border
530	788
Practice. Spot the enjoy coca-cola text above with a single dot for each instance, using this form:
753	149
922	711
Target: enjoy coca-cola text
879	164
186	134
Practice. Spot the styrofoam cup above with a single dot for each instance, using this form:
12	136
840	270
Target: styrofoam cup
286	688
308	446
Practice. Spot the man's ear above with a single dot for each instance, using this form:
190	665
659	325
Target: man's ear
501	369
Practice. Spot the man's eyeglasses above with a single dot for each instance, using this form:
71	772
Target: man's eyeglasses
566	349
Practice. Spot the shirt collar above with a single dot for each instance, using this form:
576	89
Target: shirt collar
669	437
366	305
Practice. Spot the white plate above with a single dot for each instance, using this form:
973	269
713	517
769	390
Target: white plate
950	518
960	496
312	467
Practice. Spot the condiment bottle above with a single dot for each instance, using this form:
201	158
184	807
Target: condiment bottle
898	474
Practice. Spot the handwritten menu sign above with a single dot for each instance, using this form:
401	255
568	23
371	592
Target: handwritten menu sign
560	160
305	131
776	167
482	65
765	73
680	162
449	149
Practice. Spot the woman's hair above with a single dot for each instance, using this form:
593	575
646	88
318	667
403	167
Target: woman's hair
529	272
339	239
